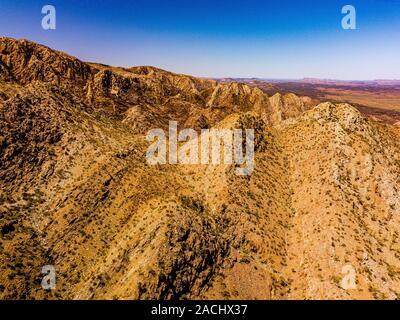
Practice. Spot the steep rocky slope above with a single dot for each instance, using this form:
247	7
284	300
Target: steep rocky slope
76	191
345	181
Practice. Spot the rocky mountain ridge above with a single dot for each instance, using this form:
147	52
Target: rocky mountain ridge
76	191
143	91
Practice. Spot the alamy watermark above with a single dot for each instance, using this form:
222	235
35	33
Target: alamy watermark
188	147
49	20
349	277
349	21
49	280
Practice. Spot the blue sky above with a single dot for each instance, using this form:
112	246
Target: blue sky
268	39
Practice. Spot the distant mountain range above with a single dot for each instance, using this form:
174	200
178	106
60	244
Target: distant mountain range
382	82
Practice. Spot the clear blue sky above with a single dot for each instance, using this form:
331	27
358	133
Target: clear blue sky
269	39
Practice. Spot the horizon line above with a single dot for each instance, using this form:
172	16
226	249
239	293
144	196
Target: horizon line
327	79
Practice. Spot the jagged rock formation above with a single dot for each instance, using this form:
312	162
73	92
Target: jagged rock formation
76	191
288	106
140	95
24	61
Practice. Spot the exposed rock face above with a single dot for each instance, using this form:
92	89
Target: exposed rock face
76	191
25	61
288	106
191	101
